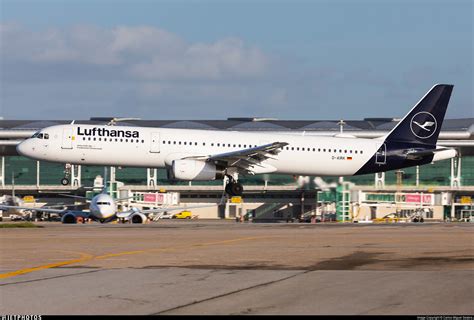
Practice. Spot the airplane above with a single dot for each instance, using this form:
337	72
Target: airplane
102	208
190	154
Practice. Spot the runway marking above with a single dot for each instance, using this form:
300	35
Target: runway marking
86	257
105	256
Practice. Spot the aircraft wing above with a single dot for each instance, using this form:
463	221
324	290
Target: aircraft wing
61	212
128	213
49	210
246	160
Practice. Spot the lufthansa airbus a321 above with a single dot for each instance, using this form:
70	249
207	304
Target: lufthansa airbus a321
212	154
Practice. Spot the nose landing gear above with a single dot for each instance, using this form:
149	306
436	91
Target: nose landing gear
67	174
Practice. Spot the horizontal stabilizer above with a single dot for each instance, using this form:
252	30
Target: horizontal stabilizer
420	154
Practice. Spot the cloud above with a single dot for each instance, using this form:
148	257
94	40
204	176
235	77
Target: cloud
143	71
127	70
144	53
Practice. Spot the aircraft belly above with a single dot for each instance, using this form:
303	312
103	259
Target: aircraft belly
326	165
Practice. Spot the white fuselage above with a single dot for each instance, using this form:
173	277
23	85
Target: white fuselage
158	147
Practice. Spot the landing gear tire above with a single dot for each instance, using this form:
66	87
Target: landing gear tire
237	189
64	181
234	188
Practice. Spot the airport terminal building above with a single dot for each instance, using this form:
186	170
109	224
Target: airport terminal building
440	191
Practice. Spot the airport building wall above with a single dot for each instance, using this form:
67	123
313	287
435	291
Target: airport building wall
361	199
449	183
23	171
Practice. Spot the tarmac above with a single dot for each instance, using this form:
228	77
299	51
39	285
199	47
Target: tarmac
198	267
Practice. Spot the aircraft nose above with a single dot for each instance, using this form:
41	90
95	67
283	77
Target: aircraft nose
26	148
23	148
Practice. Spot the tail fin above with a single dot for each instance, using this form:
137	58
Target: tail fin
423	123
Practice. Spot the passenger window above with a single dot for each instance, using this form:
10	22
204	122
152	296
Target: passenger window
324	150
302	149
355	151
361	152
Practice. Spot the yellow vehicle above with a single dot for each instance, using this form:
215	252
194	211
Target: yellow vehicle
183	215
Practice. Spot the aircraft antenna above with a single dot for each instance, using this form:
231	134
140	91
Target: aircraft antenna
114	121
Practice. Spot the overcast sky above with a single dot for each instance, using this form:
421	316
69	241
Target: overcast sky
75	59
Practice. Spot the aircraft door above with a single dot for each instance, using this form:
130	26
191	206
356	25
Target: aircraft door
155	142
381	155
67	138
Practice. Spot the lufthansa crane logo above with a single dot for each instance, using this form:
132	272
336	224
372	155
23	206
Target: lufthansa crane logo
423	125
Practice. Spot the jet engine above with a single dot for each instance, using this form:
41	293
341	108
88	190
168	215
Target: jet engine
187	169
137	218
69	218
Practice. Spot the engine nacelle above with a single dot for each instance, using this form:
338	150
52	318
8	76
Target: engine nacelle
195	170
69	218
137	218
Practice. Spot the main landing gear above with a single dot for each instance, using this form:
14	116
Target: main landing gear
67	174
233	187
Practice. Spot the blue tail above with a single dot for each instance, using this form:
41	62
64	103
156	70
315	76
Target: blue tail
423	123
413	140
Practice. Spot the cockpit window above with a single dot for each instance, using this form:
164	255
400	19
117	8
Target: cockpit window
41	135
103	203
